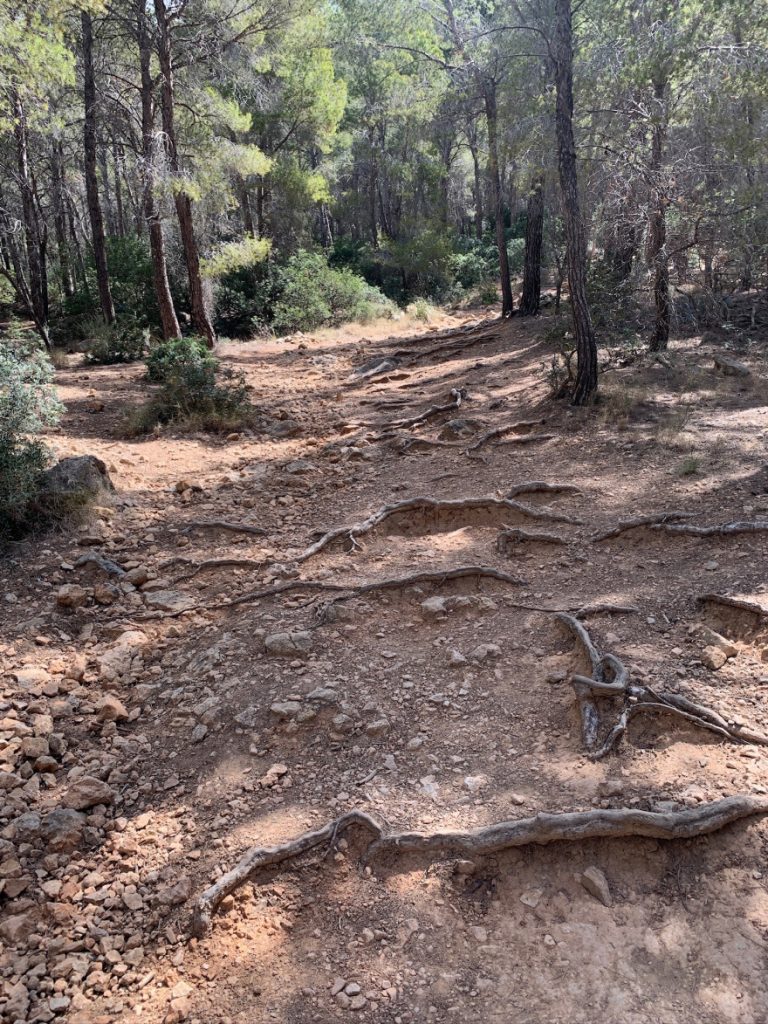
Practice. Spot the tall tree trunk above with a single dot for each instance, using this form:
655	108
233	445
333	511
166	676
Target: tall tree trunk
117	163
168	319
657	223
575	238
494	175
534	238
60	219
200	318
36	292
478	191
91	179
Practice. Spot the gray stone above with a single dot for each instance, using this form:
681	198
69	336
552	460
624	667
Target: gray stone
285	709
169	601
79	477
731	367
86	792
596	884
62	829
288	645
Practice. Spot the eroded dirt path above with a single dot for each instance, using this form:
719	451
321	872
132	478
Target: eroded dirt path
430	706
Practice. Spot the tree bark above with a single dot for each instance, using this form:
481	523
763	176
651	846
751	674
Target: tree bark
168	319
657	226
200	317
494	175
534	238
91	179
60	219
575	238
35	294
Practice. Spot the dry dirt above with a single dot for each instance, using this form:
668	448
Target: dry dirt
416	722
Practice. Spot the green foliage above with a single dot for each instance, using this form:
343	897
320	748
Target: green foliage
313	294
233	256
196	391
121	342
28	403
133	293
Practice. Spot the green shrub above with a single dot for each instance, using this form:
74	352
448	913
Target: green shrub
196	392
313	294
28	403
121	342
181	357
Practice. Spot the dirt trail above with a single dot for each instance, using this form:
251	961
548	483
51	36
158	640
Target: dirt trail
431	706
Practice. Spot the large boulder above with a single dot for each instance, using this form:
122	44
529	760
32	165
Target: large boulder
75	479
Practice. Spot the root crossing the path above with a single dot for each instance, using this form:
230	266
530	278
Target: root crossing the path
609	678
539	830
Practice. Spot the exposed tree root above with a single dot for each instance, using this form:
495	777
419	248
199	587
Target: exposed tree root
637	521
221	524
457	397
427	506
539	487
405	445
221	563
664	522
539	830
524	439
438	576
511	537
724	530
522	427
739	603
610	678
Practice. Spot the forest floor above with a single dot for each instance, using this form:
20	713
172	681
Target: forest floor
426	714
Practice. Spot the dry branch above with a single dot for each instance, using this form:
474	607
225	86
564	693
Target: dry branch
539	830
725	530
426	506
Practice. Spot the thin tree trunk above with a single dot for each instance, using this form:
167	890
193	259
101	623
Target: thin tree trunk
478	191
117	163
91	179
534	238
168	319
494	175
36	294
575	238
657	226
200	317
60	220
245	208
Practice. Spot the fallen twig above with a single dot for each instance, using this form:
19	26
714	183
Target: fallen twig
539	830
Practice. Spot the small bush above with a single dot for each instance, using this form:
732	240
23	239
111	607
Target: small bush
689	466
313	294
196	392
28	403
122	342
421	310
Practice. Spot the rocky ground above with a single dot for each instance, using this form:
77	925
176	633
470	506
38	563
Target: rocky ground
151	735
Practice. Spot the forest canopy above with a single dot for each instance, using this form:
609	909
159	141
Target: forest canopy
233	167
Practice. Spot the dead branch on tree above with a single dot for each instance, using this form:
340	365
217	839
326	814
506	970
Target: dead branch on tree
539	830
429	506
637	700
